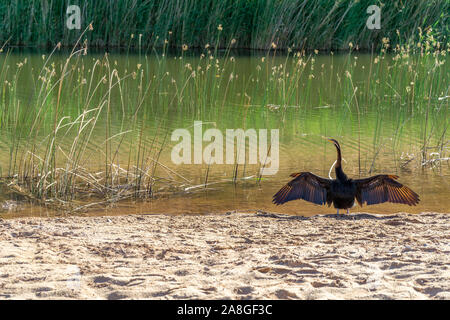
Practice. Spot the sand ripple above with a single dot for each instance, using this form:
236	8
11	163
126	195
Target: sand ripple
236	255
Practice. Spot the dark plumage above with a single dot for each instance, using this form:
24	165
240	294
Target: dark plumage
343	191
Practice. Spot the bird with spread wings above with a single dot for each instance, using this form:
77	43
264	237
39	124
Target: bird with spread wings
342	191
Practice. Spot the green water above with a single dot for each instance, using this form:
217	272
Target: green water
382	110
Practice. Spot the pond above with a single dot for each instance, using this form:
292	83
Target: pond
98	134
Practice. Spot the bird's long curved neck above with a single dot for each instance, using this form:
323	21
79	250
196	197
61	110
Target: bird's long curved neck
340	175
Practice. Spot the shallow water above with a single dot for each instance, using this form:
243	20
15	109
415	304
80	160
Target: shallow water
375	137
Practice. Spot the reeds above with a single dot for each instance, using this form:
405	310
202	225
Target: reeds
255	24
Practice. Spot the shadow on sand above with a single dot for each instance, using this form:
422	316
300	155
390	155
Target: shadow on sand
359	216
351	216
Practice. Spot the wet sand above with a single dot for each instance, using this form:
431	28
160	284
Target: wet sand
226	256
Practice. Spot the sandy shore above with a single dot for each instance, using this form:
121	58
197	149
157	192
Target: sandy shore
236	255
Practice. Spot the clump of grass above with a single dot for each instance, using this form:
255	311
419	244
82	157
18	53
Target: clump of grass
51	142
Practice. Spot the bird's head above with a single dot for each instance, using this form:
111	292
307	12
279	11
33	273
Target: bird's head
333	141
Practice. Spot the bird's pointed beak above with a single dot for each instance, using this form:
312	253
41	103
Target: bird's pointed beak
329	139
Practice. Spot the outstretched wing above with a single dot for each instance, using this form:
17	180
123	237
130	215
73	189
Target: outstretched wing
306	186
384	188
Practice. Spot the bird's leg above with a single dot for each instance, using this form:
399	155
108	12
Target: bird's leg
347	211
337	214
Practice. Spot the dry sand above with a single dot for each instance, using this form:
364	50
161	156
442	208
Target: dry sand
220	256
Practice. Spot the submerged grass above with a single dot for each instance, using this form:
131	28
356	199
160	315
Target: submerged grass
58	134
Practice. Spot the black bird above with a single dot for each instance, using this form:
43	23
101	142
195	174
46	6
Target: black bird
343	191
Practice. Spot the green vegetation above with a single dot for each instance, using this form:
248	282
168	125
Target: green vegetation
254	24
